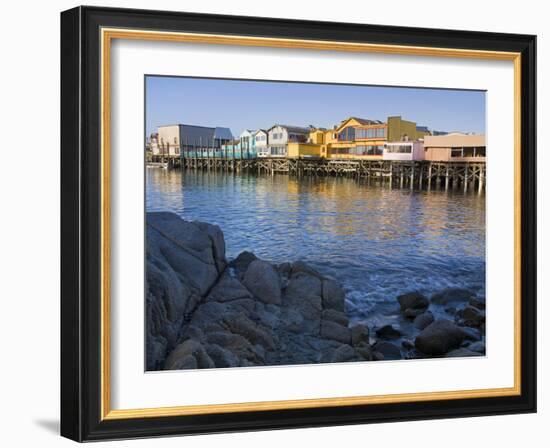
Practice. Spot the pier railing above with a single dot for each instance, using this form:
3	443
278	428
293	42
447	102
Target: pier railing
405	174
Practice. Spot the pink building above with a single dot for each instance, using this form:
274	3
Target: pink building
455	147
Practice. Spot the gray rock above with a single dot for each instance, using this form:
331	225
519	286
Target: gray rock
470	317
239	323
335	331
359	335
344	353
228	289
461	353
365	351
423	320
439	337
335	316
413	301
407	345
471	334
333	295
389	350
221	357
450	295
477	347
300	267
181	355
388	332
243	260
262	280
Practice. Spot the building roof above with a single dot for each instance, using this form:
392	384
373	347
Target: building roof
223	133
292	128
454	139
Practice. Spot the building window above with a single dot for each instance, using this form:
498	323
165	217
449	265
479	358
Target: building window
399	149
456	152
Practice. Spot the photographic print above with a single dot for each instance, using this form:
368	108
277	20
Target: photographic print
294	223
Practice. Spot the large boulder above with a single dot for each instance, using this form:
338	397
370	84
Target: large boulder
183	261
263	281
423	320
335	331
333	295
388	332
439	338
388	350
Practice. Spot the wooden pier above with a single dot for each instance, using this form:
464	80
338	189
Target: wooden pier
469	176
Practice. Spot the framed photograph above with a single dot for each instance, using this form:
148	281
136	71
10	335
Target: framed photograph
276	224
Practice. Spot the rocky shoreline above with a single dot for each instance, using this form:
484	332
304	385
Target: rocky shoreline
203	311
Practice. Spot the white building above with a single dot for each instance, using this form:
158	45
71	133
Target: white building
403	151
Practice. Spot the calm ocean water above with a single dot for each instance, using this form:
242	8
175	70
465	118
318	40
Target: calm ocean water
378	242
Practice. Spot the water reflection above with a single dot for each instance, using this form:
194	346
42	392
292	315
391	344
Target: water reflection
377	241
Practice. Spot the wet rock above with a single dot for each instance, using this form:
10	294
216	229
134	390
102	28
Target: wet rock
263	282
377	356
333	295
413	303
182	354
477	347
300	267
359	334
335	331
451	295
388	332
388	350
477	302
407	345
470	317
439	337
365	351
451	310
423	320
461	353
471	334
343	354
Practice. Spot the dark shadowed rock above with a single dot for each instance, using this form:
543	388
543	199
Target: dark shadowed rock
240	264
407	345
221	357
477	302
365	351
450	295
423	320
344	353
335	331
300	267
461	353
333	295
262	280
389	350
335	316
439	337
471	334
413	301
388	332
470	317
359	335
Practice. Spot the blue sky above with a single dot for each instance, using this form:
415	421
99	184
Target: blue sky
241	105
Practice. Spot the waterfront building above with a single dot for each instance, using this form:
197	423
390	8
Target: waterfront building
400	130
248	143
403	151
455	147
232	149
279	136
185	140
261	142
